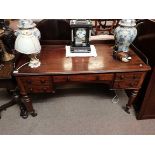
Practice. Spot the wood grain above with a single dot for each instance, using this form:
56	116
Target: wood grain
54	62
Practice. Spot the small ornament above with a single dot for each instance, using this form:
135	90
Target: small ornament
123	56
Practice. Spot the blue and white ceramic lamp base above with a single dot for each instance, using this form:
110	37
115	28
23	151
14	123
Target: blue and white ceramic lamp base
124	35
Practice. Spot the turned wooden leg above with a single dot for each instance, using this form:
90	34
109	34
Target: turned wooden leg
28	106
132	98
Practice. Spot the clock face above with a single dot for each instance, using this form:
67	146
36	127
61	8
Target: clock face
81	33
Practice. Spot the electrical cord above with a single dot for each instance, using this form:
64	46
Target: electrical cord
115	99
16	71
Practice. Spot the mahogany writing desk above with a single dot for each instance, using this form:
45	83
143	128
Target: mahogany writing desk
57	69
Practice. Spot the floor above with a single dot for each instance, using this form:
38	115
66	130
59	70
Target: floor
75	112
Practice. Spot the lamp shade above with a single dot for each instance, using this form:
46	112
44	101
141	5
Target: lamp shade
27	43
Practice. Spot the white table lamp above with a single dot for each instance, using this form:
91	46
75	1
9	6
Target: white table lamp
27	43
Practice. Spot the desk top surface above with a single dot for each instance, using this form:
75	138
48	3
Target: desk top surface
54	62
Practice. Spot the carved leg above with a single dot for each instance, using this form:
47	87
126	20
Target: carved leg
131	100
26	105
27	108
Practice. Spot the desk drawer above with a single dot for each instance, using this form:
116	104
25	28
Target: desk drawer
82	78
57	79
105	77
126	84
36	80
128	80
129	76
37	84
92	77
39	89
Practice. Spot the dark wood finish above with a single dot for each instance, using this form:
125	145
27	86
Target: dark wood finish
132	80
148	108
54	62
102	25
56	68
25	98
54	29
132	98
145	40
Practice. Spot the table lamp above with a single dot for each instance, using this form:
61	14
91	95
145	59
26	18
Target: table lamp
27	41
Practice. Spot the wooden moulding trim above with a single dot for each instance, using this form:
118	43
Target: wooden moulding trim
76	73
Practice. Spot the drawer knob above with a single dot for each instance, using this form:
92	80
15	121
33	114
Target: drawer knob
122	77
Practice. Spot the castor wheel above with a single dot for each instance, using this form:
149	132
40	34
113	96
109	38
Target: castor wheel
23	113
24	116
34	114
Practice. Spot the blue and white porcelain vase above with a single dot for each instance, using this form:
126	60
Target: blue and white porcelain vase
124	35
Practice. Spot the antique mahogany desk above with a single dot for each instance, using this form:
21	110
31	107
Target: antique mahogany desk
57	69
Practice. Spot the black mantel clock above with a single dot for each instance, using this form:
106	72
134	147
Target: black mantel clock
80	34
